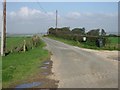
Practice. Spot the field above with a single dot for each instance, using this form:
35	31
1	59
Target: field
114	40
17	67
111	45
15	41
0	72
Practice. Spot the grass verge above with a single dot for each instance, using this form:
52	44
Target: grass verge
18	67
89	45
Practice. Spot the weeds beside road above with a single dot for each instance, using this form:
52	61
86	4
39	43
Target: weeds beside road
18	68
112	45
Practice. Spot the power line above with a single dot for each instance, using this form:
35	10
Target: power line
40	6
47	14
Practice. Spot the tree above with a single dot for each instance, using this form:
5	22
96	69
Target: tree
103	33
94	32
64	30
51	30
80	31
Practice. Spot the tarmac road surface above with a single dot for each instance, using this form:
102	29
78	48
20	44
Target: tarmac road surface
76	68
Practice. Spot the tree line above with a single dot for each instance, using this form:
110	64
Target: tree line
76	31
77	34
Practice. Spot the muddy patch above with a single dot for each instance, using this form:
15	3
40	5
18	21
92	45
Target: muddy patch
47	62
45	73
29	85
44	67
40	80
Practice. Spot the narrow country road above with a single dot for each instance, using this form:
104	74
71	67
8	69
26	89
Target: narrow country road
76	68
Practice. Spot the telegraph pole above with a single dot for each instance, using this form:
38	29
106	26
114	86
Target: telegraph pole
3	31
56	19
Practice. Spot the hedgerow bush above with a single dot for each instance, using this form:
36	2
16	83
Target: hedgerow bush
26	45
78	34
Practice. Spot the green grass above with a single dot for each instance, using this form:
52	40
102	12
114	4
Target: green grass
17	67
74	43
111	46
0	72
113	40
15	41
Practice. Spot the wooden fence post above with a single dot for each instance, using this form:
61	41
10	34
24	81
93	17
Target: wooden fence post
24	46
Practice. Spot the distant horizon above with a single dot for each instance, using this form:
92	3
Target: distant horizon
116	33
36	17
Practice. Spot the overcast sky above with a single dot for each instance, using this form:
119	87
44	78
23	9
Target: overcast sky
37	17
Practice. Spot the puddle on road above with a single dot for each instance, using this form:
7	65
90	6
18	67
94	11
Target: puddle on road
44	67
45	73
29	85
48	62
